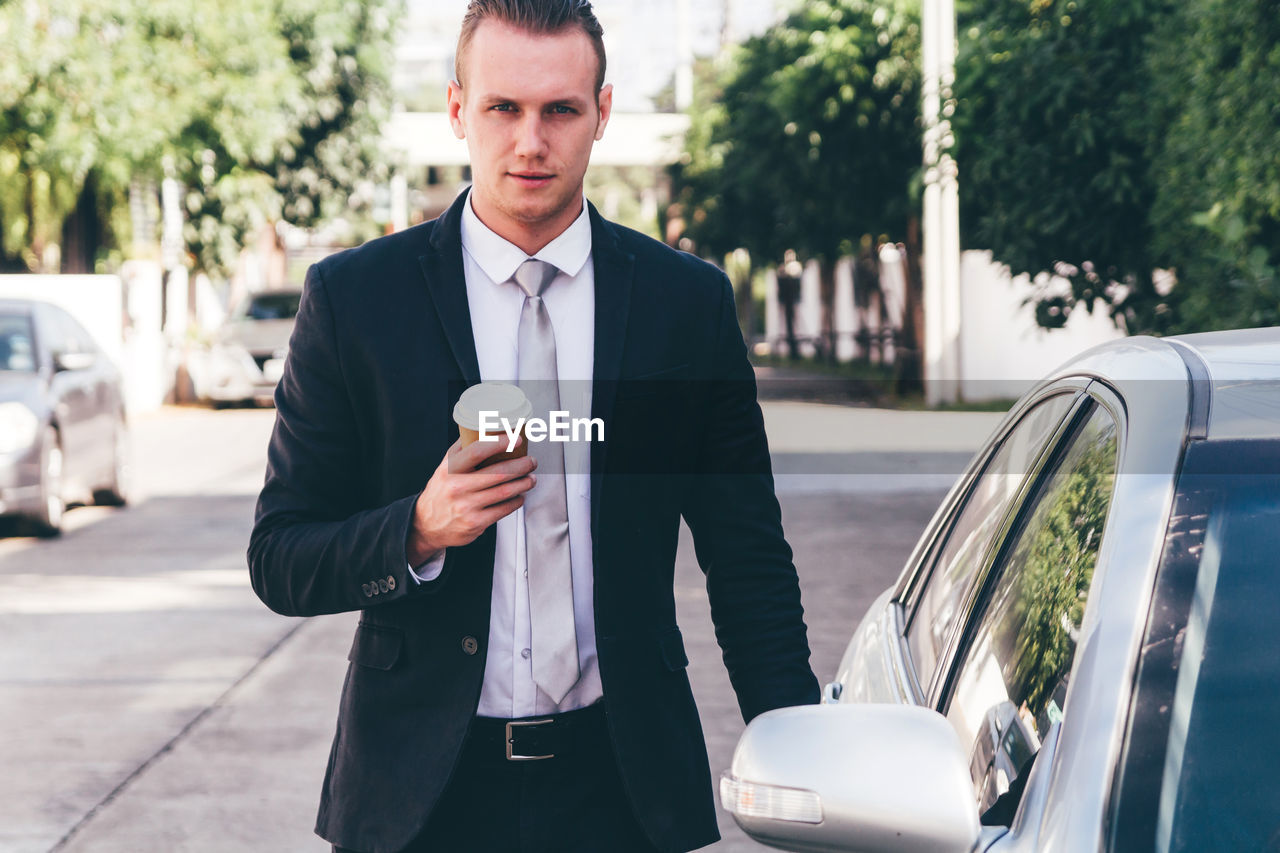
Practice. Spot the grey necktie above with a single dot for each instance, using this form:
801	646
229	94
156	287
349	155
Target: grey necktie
546	513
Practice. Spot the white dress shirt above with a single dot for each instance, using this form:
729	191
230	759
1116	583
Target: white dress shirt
495	302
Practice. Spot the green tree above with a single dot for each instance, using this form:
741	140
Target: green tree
1214	70
812	138
1105	139
1051	139
264	109
312	167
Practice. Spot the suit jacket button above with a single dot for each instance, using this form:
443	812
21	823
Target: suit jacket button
470	646
365	587
384	586
391	582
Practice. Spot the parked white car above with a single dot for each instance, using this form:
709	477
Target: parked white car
246	359
1081	652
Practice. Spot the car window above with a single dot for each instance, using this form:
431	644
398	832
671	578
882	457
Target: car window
60	336
17	350
1012	683
274	306
84	340
942	601
1199	772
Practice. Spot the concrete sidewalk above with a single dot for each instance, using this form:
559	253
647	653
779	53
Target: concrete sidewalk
196	720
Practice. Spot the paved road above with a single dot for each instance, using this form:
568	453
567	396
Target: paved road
149	702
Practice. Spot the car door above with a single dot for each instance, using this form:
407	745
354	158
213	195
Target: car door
897	653
1006	686
102	404
72	396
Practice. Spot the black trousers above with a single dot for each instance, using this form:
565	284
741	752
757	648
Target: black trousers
573	803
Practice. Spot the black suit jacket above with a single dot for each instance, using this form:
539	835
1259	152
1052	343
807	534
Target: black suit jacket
381	351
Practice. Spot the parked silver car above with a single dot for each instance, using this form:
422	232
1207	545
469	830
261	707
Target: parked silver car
247	357
63	433
1081	652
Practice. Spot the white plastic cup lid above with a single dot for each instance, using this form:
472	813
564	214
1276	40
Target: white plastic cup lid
507	400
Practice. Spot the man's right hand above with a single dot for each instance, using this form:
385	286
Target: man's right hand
462	499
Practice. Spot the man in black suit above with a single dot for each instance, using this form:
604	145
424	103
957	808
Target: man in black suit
517	678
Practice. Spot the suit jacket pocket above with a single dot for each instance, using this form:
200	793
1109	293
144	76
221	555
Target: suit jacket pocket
662	381
671	644
376	647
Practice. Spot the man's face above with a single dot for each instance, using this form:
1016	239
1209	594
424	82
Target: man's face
530	115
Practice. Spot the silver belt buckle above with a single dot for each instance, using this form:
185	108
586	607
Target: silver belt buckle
510	740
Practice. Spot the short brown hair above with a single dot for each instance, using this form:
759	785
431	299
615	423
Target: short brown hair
535	16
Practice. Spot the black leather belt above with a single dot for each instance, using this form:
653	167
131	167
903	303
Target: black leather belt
540	738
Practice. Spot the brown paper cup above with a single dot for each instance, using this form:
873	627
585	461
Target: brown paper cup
507	401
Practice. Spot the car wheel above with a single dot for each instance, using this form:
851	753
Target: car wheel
48	518
116	491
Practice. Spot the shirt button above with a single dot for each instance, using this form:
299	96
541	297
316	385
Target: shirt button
469	645
524	653
526	573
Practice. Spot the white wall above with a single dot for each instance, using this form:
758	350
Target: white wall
1002	349
134	342
148	364
97	301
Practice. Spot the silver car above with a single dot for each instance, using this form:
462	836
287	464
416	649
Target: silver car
247	357
1081	653
63	430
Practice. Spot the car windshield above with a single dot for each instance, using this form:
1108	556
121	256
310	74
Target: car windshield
1219	788
17	350
273	306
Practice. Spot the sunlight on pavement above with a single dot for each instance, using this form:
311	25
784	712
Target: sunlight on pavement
204	590
820	428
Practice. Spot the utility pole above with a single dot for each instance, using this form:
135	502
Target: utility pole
684	57
941	207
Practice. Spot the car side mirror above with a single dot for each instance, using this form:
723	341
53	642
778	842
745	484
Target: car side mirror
72	361
867	778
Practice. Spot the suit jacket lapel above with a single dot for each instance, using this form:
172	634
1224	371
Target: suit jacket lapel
446	282
614	274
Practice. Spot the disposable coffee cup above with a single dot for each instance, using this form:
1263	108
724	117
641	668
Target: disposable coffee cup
504	404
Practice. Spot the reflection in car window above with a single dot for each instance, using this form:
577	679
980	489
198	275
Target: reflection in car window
17	351
1199	771
274	306
1013	682
1221	790
971	536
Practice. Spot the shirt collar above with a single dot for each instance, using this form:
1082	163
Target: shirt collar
499	258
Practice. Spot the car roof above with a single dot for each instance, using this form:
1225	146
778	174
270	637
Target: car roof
1235	374
1244	373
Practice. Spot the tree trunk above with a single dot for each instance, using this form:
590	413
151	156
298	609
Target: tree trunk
745	304
910	362
827	285
33	233
8	263
82	230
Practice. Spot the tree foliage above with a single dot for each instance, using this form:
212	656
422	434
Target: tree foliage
1051	145
263	109
1105	139
811	137
1215	71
